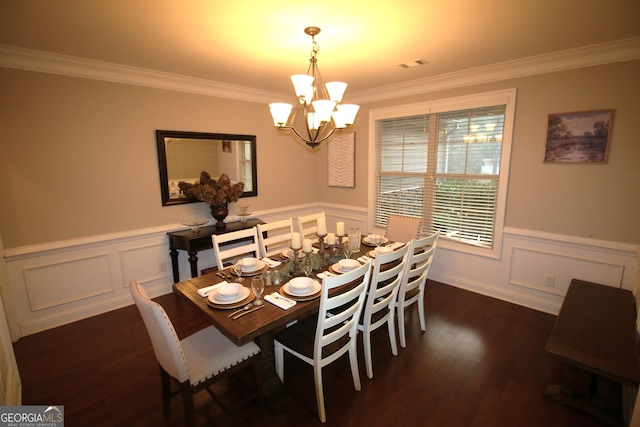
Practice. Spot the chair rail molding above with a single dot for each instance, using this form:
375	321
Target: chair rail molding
61	282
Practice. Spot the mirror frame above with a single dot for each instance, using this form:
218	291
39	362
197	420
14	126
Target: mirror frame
162	161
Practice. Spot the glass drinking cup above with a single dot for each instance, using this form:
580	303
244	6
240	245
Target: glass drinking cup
257	284
355	236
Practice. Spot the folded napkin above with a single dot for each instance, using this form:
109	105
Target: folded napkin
364	259
203	292
280	301
325	274
271	263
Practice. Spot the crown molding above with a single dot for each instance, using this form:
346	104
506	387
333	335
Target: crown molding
587	56
53	63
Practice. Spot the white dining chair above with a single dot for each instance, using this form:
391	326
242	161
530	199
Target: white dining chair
226	246
379	308
275	237
412	288
195	362
401	228
307	226
321	340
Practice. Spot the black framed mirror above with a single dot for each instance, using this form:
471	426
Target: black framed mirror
182	156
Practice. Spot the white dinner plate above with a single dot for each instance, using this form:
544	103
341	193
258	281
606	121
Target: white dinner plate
213	297
259	265
369	242
337	269
316	288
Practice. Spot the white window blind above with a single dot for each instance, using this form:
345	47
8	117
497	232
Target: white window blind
443	167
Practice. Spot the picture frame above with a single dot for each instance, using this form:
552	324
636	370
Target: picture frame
226	146
578	137
341	160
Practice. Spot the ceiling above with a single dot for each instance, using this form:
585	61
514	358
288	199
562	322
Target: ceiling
258	44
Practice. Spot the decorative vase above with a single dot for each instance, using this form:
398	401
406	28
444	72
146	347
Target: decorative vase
220	212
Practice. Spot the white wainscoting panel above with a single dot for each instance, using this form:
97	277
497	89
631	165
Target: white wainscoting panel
48	284
61	282
531	269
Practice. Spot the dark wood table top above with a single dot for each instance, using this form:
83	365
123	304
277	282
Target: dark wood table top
250	326
596	331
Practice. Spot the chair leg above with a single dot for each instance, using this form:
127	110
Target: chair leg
187	401
353	360
366	341
317	376
278	353
165	381
423	324
392	333
403	339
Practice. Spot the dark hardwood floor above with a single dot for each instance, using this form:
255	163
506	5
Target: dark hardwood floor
481	362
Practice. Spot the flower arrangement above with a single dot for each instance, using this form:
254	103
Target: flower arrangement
212	192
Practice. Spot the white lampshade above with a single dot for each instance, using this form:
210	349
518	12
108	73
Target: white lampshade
336	91
280	112
323	108
348	113
302	84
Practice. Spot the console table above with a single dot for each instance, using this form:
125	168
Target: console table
595	337
191	242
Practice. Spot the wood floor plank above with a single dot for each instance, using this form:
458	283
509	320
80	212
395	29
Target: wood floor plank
481	362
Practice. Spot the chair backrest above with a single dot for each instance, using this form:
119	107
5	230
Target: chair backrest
308	226
385	281
340	312
402	228
417	267
278	236
165	341
229	245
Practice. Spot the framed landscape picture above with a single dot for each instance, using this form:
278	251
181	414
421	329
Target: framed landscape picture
579	137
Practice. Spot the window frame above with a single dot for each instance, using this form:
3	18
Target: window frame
506	97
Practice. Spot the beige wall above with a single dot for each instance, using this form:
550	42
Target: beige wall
593	201
78	156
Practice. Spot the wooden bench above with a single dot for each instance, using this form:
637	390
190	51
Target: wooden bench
595	337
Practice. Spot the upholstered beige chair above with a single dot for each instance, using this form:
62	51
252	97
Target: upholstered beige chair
402	228
321	340
411	290
195	362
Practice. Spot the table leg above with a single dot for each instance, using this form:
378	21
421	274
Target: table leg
586	392
193	261
275	393
173	252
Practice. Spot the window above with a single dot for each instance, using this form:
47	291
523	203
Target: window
447	162
245	164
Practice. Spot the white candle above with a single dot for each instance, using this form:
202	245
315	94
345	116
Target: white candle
331	239
340	229
307	246
322	227
295	241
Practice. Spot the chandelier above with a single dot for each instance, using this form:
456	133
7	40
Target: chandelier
319	103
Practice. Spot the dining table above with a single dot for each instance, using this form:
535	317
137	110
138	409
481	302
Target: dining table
259	325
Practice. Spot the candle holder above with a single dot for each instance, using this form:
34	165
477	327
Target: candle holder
296	263
321	252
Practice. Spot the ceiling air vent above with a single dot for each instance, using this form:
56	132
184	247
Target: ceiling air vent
413	63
